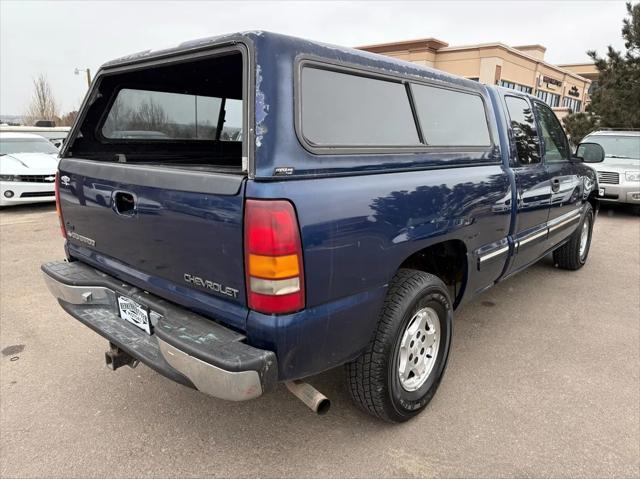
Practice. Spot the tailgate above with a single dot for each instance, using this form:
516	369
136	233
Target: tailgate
176	233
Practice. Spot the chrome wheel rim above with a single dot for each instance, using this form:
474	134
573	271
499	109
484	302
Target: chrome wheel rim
584	238
419	349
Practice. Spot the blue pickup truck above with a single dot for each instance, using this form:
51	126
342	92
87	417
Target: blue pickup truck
251	209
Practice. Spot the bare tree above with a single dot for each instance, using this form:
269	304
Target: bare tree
43	105
118	118
149	116
68	118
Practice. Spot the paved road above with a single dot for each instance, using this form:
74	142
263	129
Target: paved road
543	380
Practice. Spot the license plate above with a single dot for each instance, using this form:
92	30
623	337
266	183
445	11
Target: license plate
135	313
600	191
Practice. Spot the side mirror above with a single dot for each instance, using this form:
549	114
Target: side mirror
590	152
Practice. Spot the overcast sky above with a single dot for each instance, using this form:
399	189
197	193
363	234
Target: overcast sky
55	37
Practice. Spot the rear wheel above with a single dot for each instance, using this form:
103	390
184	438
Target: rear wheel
398	374
573	254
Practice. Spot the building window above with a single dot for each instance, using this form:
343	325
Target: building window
516	86
572	103
549	98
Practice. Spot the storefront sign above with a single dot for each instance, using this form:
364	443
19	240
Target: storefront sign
551	81
574	91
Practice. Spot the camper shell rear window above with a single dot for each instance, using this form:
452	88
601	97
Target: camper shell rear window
188	111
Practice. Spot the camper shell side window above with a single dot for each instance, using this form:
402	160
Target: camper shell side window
347	110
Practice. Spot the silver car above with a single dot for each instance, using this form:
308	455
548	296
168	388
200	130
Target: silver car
619	173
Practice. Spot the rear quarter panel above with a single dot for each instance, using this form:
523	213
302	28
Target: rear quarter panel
356	232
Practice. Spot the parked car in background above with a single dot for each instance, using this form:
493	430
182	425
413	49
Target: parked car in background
55	134
28	165
363	201
619	173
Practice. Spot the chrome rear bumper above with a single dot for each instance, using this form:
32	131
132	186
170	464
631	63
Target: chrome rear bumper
184	346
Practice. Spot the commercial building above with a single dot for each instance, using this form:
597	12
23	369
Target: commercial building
587	70
522	68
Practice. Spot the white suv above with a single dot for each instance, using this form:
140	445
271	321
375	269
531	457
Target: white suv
619	173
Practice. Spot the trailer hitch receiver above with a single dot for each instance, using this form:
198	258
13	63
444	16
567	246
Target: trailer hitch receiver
116	358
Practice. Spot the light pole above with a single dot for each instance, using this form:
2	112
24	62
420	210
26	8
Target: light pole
87	71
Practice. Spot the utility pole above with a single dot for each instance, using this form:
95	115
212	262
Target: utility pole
87	71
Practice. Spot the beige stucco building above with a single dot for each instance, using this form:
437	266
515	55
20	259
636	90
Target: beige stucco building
587	70
522	68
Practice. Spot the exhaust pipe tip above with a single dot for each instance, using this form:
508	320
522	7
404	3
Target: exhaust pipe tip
313	399
323	407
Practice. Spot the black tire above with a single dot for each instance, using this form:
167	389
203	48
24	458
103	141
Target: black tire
373	378
568	255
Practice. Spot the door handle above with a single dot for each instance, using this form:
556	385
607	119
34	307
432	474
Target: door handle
124	203
555	185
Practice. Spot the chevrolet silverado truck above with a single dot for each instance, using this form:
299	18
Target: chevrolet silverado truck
254	209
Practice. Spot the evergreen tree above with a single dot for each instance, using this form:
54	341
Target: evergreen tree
617	98
579	125
615	103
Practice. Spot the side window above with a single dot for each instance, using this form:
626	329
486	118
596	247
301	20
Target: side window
341	109
556	147
451	118
524	130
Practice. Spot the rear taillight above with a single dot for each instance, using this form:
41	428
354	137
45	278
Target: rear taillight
273	256
56	188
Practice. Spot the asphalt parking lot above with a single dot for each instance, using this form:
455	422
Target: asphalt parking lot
544	380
